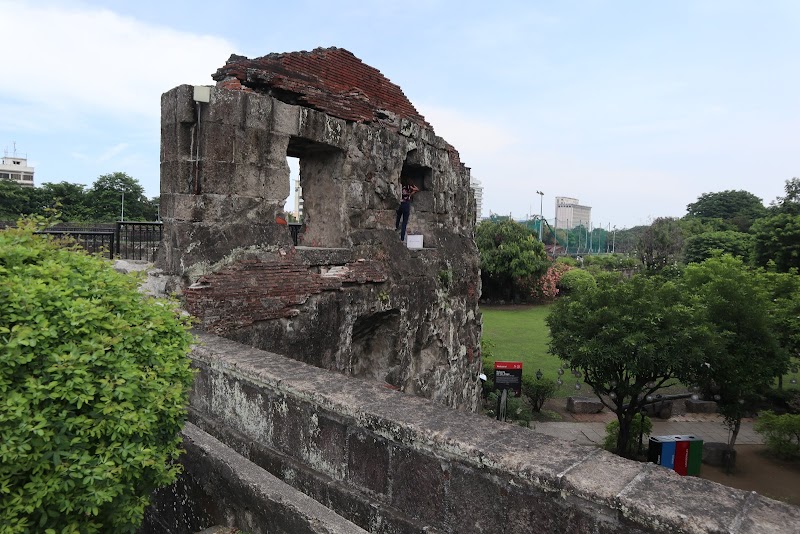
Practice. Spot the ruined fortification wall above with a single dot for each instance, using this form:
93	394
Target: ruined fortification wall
350	297
393	463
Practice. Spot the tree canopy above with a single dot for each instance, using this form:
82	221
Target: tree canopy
739	208
660	244
777	241
511	258
747	355
628	339
700	247
102	202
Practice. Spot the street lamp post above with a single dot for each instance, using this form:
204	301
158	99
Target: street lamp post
614	240
541	213
122	212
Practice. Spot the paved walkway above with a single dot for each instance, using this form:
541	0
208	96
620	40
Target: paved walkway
708	427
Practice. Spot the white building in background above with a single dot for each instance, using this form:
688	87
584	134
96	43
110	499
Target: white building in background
15	169
298	200
570	214
477	190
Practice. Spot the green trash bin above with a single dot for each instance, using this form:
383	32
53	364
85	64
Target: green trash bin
694	456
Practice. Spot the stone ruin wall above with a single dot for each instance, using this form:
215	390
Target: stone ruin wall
351	297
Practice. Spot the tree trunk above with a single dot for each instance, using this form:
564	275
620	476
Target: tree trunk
623	438
735	433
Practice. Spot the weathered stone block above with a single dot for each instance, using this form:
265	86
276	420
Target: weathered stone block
217	143
285	118
700	406
368	462
584	405
258	111
417	483
475	503
226	107
217	177
660	409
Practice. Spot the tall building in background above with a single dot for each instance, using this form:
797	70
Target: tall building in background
298	200
15	169
477	190
570	214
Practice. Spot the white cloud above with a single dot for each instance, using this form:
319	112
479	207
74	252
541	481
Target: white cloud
79	61
471	136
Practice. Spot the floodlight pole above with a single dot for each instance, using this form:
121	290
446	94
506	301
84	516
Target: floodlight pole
541	213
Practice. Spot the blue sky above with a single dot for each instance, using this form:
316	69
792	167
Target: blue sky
635	108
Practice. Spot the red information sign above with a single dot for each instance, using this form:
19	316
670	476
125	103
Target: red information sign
508	375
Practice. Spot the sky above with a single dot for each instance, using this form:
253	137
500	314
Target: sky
634	108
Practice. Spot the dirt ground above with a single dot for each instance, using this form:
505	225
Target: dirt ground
756	471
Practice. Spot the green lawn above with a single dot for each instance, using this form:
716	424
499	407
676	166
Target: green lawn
519	333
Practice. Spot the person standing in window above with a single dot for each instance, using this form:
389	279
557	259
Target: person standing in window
404	211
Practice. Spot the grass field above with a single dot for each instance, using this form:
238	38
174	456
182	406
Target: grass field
519	333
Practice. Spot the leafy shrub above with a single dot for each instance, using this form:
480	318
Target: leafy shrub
545	289
538	391
519	411
782	400
577	280
781	434
611	262
641	425
94	380
567	260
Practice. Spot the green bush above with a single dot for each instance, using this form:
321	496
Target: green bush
538	391
781	434
519	411
94	380
641	425
577	280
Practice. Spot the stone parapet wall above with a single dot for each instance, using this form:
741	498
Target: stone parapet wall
220	487
391	462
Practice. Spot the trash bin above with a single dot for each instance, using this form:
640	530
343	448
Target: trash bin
688	455
683	454
661	450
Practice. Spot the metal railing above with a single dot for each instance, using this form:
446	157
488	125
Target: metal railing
91	242
127	240
138	240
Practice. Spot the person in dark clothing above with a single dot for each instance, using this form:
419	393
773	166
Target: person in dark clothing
404	210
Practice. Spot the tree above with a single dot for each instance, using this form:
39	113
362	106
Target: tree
105	199
789	204
700	247
748	356
627	339
95	384
17	201
68	199
777	241
511	258
739	208
783	298
660	244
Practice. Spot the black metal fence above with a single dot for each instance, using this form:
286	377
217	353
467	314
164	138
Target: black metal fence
127	240
100	242
138	240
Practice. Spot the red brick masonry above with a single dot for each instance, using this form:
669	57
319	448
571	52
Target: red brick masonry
258	290
331	80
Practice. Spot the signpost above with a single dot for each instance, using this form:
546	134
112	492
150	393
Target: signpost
508	375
